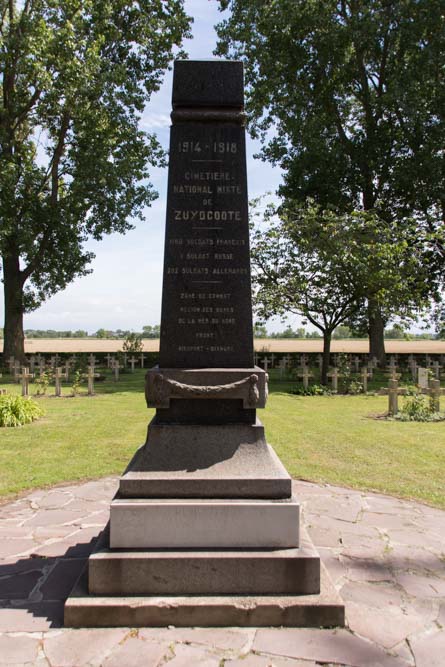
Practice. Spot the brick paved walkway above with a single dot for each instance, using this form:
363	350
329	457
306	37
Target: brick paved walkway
386	556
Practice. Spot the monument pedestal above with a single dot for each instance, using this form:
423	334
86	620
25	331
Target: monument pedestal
204	531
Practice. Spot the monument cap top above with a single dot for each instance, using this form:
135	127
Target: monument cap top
208	83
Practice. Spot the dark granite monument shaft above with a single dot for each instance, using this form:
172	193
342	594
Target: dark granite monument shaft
206	300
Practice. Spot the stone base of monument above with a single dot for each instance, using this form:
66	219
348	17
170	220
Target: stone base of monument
213	588
204	531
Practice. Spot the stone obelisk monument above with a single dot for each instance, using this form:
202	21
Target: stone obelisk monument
204	529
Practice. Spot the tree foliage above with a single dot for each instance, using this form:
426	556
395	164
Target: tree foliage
324	266
75	76
348	98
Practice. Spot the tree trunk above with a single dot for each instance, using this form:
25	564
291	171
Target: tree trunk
376	330
326	355
14	339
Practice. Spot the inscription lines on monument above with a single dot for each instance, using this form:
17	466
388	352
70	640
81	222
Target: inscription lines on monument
206	247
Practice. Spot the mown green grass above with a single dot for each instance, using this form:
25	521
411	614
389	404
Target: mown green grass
332	439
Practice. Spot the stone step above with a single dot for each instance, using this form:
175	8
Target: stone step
279	572
209	523
323	610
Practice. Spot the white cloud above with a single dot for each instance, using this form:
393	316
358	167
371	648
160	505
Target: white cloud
154	121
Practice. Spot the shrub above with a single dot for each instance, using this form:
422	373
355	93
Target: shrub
418	408
355	387
18	410
43	381
312	390
77	381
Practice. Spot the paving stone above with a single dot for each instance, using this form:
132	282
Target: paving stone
347	510
135	652
185	656
18	650
403	557
18	586
12	531
75	648
381	520
385	625
48	532
387	505
367	570
327	532
98	519
31	617
96	490
334	563
429	651
25	564
421	585
254	660
331	646
85	505
62	578
373	594
55	499
54	517
416	538
10	548
78	545
220	638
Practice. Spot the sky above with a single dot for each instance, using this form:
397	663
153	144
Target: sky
124	289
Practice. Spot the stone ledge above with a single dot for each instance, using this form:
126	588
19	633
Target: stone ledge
323	610
185	461
151	572
189	523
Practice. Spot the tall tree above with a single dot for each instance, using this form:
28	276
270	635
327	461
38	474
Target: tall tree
348	97
324	266
75	76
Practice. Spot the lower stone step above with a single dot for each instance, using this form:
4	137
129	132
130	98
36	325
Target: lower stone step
279	572
323	610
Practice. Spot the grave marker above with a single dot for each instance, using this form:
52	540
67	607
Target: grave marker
25	377
422	377
116	366
364	376
58	375
334	379
305	374
90	377
266	363
132	361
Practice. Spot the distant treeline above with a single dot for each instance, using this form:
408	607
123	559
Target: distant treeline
341	333
147	332
260	331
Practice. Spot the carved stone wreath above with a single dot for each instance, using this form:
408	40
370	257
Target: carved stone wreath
166	388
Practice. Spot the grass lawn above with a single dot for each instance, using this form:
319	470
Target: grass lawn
324	439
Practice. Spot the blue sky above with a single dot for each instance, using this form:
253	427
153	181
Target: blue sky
124	290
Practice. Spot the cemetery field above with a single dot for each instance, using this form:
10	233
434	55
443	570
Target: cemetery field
332	439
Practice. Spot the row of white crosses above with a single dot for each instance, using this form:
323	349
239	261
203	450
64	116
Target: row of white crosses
25	377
